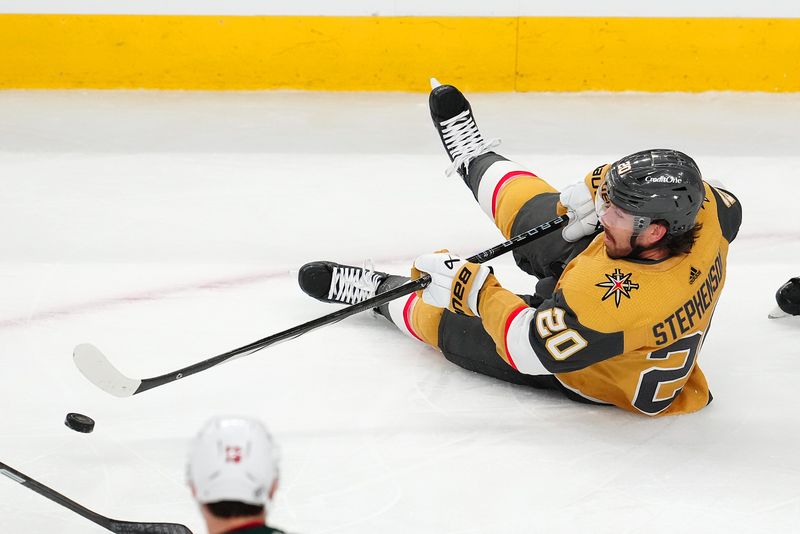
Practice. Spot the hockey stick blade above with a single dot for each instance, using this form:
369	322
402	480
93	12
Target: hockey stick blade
94	365
100	372
114	525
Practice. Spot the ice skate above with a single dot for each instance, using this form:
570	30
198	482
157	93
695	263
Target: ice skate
328	281
787	299
452	116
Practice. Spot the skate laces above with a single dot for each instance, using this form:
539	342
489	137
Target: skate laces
463	140
352	285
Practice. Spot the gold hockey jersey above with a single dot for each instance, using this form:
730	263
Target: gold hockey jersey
621	331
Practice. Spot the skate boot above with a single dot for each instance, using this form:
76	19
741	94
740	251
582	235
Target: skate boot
327	281
452	116
788	300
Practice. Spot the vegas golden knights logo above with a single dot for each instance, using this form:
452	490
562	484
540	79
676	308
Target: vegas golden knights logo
618	285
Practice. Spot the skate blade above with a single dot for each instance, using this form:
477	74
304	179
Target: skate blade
778	313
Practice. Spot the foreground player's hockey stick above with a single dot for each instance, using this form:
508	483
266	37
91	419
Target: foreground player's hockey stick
100	372
114	525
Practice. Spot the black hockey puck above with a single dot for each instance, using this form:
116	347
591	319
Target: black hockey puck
79	422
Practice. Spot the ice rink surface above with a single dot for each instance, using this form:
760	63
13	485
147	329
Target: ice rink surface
168	227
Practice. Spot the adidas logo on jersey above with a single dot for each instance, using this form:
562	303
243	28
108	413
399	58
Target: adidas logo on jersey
694	274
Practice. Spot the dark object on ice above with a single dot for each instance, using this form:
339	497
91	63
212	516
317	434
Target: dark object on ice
79	422
788	298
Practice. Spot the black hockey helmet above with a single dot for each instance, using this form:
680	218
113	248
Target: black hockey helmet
788	297
656	184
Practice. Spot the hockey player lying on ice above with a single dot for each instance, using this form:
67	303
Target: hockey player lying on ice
618	316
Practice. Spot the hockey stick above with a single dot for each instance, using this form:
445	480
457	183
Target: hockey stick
94	365
114	525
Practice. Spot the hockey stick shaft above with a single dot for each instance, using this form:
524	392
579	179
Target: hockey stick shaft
96	367
119	527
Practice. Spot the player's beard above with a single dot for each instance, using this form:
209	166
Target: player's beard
616	248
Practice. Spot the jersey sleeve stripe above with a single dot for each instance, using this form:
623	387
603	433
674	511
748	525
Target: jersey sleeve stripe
400	311
494	178
517	344
407	309
502	182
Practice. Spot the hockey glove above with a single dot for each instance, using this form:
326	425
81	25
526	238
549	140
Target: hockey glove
455	283
578	200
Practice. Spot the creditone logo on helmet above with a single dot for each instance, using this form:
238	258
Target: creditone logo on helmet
663	180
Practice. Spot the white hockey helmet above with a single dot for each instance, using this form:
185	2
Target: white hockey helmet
233	459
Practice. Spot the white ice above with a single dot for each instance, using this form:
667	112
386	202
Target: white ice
165	228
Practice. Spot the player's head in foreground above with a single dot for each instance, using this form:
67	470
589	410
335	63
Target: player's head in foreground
648	204
233	473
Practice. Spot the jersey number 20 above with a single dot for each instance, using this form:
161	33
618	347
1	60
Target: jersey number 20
659	385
